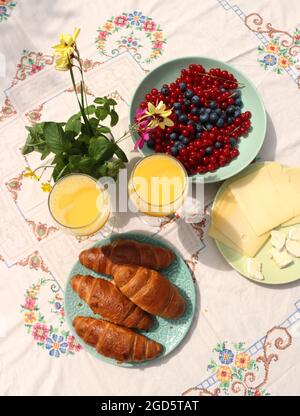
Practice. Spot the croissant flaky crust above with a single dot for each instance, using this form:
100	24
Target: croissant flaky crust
105	298
115	341
149	290
101	259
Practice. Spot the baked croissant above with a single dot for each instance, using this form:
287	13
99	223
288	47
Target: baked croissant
115	341
141	254
126	252
149	290
105	298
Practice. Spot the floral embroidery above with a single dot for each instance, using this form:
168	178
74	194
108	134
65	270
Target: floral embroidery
14	185
131	24
41	230
88	64
6	7
7	110
275	56
30	64
34	261
78	89
279	49
56	340
237	372
34	115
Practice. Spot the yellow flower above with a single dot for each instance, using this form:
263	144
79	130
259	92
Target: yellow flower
242	360
30	174
29	317
46	187
108	26
64	50
284	62
159	115
157	35
272	48
224	373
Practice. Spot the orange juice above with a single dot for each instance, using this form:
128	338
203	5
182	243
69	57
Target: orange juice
79	205
157	185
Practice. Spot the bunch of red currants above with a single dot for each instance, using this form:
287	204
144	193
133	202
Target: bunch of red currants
207	115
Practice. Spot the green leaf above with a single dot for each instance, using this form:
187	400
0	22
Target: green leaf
74	161
84	138
101	113
86	165
113	167
55	138
111	102
60	163
45	152
121	154
101	149
74	124
103	129
94	122
100	100
90	109
114	118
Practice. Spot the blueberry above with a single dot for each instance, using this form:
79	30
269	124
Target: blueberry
178	113
229	120
190	122
183	118
208	110
165	90
204	118
238	102
195	111
213	105
218	111
213	117
199	128
198	135
230	110
220	122
173	136
182	86
236	94
186	102
218	145
195	99
150	143
180	146
222	89
177	106
174	151
202	110
209	126
237	112
185	140
232	142
181	138
189	94
223	114
208	150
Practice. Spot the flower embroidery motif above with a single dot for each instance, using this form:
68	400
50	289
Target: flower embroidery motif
129	24
226	356
30	64
275	56
6	7
242	360
57	341
270	60
56	345
224	374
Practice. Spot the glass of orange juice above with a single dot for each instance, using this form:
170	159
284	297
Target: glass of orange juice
79	204
157	187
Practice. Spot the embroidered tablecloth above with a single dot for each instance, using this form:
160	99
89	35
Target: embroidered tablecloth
245	338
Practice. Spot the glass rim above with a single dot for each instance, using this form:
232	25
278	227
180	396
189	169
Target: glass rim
176	161
81	226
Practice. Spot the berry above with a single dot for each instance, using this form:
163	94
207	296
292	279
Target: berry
150	143
195	99
213	117
165	90
218	145
220	122
173	136
213	105
174	151
230	110
209	126
238	102
204	118
237	112
182	86
208	150
177	106
189	94
183	118
232	142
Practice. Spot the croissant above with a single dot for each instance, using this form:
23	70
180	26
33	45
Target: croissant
126	252
94	259
115	341
149	290
106	299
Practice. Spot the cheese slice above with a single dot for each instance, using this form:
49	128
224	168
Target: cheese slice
260	201
229	220
281	258
217	234
277	239
293	247
254	269
292	221
294	234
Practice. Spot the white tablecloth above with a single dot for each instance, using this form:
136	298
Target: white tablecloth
237	321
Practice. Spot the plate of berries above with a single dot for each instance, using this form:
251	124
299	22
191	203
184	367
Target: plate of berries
202	111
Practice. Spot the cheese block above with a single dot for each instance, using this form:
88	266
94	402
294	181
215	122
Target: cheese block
293	247
254	269
229	220
260	200
294	234
292	221
281	258
277	239
216	234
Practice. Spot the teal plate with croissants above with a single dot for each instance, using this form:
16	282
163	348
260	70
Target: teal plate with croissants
169	333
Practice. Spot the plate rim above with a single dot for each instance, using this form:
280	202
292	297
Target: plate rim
220	245
112	361
198	177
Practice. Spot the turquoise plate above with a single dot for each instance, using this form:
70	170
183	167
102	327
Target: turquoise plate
248	147
168	333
